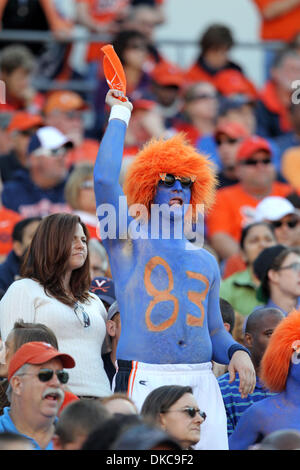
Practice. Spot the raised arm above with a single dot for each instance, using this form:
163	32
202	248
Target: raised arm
109	159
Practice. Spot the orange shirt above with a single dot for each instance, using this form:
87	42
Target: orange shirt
234	208
281	28
8	219
104	12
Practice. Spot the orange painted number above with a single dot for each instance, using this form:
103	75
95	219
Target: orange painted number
197	298
159	295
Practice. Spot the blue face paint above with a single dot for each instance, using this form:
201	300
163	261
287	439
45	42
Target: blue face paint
168	194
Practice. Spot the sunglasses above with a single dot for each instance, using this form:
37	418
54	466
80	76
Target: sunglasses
43	152
201	96
290	223
44	375
169	180
294	266
190	411
227	141
253	162
82	316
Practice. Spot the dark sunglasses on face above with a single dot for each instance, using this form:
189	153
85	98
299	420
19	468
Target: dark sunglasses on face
27	132
227	141
190	411
44	375
290	223
169	180
294	266
201	96
253	162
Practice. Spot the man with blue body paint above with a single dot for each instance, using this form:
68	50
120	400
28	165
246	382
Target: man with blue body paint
167	290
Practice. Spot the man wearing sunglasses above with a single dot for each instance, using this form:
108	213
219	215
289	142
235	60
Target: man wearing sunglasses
284	217
167	289
235	205
37	379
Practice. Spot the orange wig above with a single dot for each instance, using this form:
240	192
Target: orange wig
178	157
277	357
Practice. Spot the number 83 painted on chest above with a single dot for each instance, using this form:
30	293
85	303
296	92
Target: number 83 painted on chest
164	295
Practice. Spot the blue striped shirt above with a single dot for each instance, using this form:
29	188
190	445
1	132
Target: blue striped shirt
235	405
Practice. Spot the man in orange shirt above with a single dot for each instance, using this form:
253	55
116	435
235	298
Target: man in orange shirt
280	21
234	205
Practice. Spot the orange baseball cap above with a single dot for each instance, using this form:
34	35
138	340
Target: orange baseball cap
232	129
251	145
37	352
64	100
167	74
22	121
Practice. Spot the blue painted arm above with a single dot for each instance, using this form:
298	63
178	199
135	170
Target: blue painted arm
246	432
220	338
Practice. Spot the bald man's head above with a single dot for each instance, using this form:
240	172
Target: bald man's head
258	330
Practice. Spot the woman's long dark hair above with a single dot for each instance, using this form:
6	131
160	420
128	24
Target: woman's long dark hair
46	260
161	399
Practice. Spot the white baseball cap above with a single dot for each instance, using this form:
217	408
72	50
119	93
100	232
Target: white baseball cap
273	208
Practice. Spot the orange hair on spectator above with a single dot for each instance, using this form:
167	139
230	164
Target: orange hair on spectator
178	157
277	357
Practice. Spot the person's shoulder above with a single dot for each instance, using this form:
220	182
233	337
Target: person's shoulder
223	382
25	283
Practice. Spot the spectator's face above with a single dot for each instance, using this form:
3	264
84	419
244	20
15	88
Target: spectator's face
203	102
179	424
41	399
86	197
166	94
286	280
17	82
285	234
98	265
258	176
176	197
258	341
45	167
287	72
257	239
244	115
135	53
113	327
78	250
217	57
227	149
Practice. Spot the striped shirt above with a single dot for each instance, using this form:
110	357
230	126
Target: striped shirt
235	405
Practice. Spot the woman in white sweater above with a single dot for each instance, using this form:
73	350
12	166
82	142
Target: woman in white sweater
54	290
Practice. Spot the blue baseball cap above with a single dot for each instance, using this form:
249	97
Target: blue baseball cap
49	138
104	288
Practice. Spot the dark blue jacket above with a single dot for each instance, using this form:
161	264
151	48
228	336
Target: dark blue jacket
22	195
8	270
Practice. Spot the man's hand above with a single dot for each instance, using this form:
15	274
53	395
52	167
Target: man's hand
111	99
241	363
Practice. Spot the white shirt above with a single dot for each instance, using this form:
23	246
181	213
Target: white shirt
26	299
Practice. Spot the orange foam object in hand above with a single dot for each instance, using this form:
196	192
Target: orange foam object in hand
113	70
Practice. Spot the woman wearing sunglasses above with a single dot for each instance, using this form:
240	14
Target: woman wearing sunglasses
175	410
54	290
278	269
